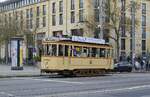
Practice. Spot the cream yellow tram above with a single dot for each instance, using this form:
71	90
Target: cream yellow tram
76	56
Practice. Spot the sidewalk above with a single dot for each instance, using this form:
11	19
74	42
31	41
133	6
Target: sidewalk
29	71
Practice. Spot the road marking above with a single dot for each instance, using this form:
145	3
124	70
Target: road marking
96	91
59	81
146	96
51	80
7	94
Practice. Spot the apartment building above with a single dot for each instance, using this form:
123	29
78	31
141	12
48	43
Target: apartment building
80	18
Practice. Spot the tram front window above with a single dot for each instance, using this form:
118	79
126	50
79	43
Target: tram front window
51	50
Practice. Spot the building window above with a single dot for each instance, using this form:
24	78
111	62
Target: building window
21	15
72	4
31	12
31	24
77	32
72	17
53	20
143	8
27	13
123	47
44	9
81	16
96	3
60	6
143	45
57	34
27	24
37	22
143	20
44	21
16	15
144	32
97	18
54	7
80	3
106	38
60	19
130	44
38	11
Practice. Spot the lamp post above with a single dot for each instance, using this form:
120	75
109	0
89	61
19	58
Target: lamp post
133	32
101	19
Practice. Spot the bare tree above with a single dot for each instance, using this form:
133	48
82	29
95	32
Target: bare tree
116	19
16	25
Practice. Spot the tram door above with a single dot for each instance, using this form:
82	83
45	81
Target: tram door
67	55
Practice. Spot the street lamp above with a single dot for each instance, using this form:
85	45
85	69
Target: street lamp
100	18
133	32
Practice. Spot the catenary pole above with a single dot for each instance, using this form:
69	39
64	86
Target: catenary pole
101	18
133	33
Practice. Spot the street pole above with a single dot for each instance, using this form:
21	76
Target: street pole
133	33
101	19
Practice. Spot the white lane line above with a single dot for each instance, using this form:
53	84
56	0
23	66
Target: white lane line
51	80
59	81
97	91
7	94
146	96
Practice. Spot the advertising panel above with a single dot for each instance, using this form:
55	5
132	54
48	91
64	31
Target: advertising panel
14	53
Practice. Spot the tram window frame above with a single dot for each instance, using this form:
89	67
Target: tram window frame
61	50
75	51
100	53
49	50
54	50
45	50
85	51
66	50
107	53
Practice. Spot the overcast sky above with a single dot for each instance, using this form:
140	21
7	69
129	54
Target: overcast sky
2	0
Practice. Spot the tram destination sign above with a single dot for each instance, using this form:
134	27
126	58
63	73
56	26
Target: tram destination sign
78	39
88	40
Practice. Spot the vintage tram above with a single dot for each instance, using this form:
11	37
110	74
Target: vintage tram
76	56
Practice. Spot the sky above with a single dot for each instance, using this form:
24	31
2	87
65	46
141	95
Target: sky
2	0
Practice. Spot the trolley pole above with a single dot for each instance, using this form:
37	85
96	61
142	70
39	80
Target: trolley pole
133	33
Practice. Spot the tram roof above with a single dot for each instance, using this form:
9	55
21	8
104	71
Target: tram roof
77	39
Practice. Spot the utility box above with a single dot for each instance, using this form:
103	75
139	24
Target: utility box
16	53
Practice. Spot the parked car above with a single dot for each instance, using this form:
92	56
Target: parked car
123	67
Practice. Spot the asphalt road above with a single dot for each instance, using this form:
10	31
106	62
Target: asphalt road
116	85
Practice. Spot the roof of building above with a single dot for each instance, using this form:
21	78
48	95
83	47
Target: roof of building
8	2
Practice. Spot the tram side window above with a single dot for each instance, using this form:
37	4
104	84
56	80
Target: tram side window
95	52
45	49
49	50
108	53
54	50
61	50
102	52
66	50
85	52
77	51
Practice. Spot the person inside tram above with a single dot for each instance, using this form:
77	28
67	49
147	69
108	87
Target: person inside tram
78	51
54	49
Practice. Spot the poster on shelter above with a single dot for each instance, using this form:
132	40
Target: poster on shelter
14	53
21	54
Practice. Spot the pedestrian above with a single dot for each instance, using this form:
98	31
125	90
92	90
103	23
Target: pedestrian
142	63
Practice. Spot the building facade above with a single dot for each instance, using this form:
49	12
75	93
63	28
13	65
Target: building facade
59	18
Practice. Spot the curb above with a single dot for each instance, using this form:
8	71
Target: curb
10	76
